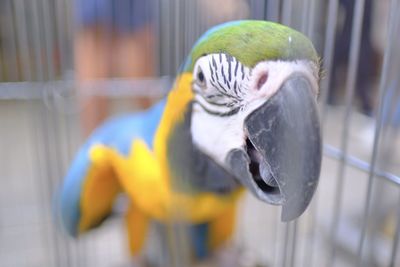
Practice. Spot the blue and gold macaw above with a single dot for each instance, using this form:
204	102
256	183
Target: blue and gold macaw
242	114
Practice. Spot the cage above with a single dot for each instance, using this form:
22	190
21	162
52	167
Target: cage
55	56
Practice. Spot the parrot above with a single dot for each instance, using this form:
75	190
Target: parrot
241	116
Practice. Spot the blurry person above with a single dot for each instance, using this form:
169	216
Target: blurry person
113	39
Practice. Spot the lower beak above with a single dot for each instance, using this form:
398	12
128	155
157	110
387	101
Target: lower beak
282	159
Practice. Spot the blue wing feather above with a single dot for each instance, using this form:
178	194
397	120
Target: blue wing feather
118	133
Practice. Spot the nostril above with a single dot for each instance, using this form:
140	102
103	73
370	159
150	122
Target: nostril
262	80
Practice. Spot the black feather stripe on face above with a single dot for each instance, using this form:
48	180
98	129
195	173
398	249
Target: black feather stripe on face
216	113
225	84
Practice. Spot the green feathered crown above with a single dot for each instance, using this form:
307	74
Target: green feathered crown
252	41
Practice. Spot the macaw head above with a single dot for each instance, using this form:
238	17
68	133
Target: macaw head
254	112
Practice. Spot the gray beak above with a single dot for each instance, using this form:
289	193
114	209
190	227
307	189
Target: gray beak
282	159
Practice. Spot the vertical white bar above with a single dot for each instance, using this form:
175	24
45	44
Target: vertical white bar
383	84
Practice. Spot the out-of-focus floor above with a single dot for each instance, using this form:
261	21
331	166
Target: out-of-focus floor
29	236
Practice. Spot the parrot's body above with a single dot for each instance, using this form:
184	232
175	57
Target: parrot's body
190	156
120	156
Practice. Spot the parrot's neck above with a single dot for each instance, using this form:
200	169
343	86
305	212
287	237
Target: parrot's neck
196	208
178	101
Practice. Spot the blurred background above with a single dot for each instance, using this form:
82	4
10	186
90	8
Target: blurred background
65	66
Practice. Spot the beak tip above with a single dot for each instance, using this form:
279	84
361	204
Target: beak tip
288	216
286	219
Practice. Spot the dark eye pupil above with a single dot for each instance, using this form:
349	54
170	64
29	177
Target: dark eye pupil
200	76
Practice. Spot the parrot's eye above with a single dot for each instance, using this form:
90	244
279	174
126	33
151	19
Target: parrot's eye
200	79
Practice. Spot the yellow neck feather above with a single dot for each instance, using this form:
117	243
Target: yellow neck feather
177	103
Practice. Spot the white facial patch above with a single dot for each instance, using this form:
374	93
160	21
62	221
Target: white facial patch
216	136
226	92
276	73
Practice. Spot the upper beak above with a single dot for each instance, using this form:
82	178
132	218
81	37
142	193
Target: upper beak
282	159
